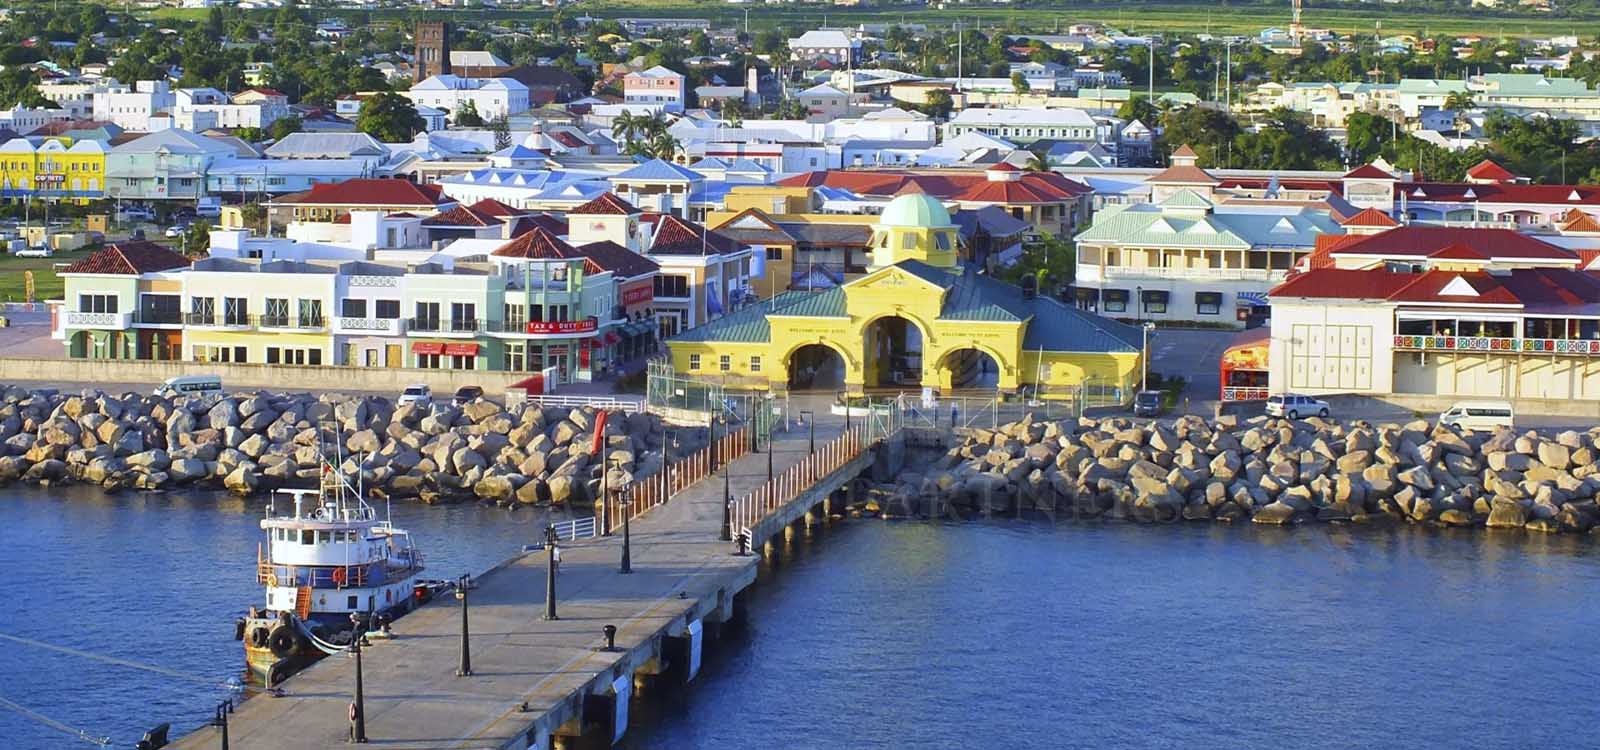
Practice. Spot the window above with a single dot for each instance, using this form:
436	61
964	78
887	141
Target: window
1154	302
97	303
774	253
1116	300
515	316
514	358
387	309
428	361
310	313
694	362
672	286
755	363
353	308
276	313
725	363
463	316
1208	303
427	316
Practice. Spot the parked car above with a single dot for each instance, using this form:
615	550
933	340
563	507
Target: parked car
175	230
136	213
37	251
1473	416
467	394
1147	404
1295	406
416	394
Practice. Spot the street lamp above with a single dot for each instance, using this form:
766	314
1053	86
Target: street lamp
358	709
552	557
627	535
1144	355
727	507
465	670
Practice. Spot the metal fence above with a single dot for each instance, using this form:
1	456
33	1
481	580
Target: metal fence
577	528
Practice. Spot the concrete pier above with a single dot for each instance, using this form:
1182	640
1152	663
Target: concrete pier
538	683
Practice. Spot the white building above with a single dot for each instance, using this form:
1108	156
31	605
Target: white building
25	120
833	45
1024	126
492	97
149	103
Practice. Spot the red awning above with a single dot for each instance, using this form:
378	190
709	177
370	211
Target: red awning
461	350
427	347
595	343
612	337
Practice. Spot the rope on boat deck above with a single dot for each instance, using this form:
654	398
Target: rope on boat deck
229	684
81	734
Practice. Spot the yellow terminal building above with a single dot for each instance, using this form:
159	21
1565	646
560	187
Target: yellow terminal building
918	318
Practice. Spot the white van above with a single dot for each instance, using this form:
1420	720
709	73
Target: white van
190	385
1478	415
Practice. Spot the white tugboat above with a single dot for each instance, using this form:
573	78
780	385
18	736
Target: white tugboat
328	563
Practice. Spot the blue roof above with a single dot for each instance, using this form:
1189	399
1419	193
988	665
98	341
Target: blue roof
658	169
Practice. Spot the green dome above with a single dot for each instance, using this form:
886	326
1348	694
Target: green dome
915	210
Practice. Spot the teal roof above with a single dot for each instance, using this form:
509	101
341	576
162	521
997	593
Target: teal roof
1533	84
1051	325
1430	86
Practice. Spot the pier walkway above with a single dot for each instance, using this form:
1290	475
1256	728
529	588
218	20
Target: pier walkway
538	683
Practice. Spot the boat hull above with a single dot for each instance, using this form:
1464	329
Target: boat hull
275	646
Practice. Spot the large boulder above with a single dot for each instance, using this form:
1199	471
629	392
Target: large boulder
241	481
1276	513
495	487
1506	514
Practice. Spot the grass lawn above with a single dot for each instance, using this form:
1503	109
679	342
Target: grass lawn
46	284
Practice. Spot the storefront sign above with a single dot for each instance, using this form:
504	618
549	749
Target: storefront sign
587	325
638	295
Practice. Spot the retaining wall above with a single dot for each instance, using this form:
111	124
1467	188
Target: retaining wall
111	373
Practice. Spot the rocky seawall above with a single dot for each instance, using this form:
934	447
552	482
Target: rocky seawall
247	443
1269	471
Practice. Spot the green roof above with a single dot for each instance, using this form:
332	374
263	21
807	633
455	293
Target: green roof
1146	225
1533	84
824	304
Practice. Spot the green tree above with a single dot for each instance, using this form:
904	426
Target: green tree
197	240
388	117
19	87
938	104
1139	108
1208	131
1367	136
1019	83
468	117
284	126
791	109
1051	260
501	127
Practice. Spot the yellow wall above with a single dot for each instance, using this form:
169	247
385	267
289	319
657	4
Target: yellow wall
83	172
892	292
764	198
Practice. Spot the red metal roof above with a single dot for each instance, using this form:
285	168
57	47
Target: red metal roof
461	216
1488	170
1422	241
1367	172
492	207
1457	251
676	236
1342	283
371	192
1545	289
541	244
130	259
1499	192
607	203
1183	174
1370	217
1430	287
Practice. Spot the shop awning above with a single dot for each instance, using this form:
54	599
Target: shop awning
1208	298
1087	294
1116	295
427	347
1154	295
612	337
1250	299
595	343
461	350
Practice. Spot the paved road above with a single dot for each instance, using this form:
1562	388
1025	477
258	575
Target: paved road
413	698
28	335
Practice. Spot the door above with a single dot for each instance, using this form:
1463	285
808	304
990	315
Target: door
391	355
372	357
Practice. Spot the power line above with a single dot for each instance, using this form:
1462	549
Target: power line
120	662
81	734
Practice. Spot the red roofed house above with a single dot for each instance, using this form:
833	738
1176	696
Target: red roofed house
1049	201
1439	311
123	302
327	202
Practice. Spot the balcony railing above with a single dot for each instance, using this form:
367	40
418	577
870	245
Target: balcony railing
296	323
378	326
99	320
446	327
1244	393
158	318
274	322
216	320
1498	345
1093	273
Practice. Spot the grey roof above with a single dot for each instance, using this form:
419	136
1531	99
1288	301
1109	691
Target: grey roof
828	235
175	141
993	220
325	146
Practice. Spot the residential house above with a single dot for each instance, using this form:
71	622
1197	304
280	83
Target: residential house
492	97
167	164
52	170
834	46
124	302
656	89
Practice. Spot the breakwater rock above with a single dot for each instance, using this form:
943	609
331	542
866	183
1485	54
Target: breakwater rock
256	442
1270	471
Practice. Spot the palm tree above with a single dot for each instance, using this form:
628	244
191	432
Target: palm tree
1457	103
1036	163
627	126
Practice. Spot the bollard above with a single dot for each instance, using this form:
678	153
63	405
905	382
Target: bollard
727	507
611	637
465	669
550	540
740	547
358	717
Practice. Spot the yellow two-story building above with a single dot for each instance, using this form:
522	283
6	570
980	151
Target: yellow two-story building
918	318
57	169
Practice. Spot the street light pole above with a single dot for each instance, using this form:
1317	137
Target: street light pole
727	507
465	670
550	540
358	709
627	538
1144	356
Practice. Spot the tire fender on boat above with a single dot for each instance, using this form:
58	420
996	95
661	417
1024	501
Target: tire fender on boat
258	636
283	641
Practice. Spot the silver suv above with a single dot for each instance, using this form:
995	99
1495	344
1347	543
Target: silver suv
1295	406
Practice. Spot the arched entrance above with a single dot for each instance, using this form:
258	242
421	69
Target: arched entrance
971	369
816	367
893	353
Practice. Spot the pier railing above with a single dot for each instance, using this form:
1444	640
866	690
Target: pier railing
649	492
748	510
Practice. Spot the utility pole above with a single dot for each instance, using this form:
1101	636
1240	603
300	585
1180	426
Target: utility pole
1152	89
958	56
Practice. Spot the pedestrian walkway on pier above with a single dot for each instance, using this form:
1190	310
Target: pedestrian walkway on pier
529	675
